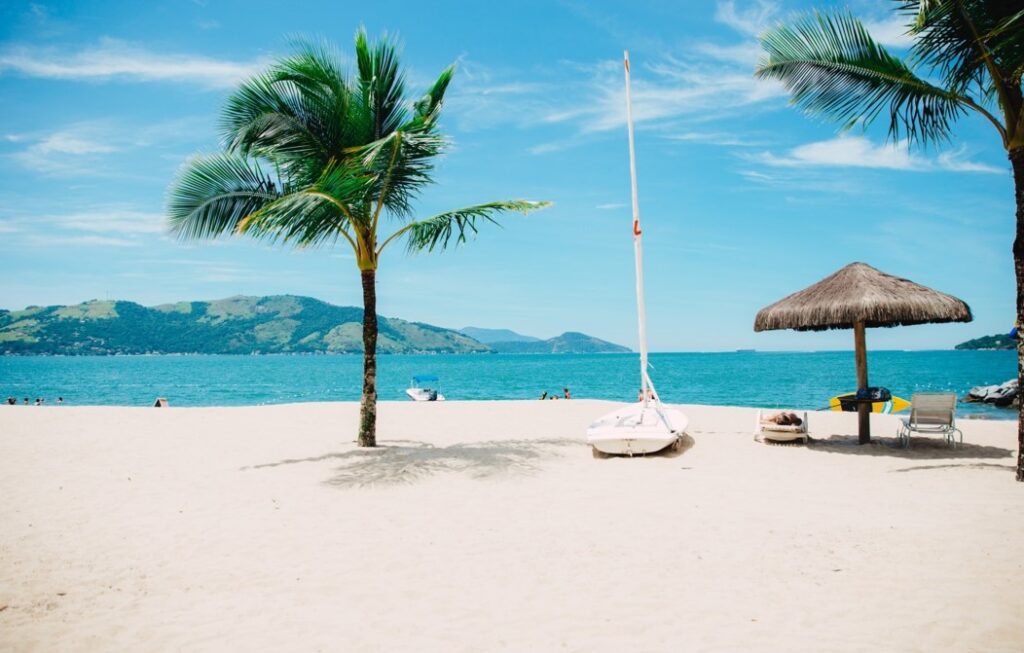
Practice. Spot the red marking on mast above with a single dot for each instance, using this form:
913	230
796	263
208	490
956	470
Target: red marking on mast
636	227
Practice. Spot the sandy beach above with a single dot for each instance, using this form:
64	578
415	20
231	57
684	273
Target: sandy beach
482	526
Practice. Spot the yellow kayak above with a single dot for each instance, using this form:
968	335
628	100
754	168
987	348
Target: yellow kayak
893	405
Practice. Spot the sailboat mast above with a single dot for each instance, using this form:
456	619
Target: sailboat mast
638	250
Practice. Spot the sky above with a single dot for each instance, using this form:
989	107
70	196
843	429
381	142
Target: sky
743	199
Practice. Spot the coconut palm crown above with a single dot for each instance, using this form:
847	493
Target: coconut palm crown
967	56
314	155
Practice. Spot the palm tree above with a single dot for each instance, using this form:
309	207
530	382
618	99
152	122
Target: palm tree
967	56
313	156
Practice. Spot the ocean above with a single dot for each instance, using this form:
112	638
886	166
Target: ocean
764	379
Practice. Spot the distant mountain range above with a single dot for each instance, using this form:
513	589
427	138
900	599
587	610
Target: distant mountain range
244	325
505	341
488	336
569	342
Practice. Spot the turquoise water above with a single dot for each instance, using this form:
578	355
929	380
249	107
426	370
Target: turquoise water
798	380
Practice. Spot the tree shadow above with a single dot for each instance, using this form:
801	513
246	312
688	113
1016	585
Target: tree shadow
990	466
920	448
404	462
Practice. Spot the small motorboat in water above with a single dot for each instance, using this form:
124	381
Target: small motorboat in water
419	390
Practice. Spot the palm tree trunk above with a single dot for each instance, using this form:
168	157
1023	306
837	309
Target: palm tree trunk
368	405
1017	159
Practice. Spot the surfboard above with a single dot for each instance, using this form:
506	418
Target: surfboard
894	405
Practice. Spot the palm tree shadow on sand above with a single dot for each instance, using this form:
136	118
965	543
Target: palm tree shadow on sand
920	448
404	462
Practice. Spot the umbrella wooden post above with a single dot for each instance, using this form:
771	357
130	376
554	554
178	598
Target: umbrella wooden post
863	408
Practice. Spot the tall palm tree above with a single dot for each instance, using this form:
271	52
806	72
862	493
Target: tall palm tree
967	56
313	155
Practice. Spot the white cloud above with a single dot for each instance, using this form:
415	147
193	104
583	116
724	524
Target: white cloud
482	97
706	78
890	31
859	152
98	226
112	220
610	206
952	161
668	89
69	143
113	59
78	241
714	138
751	21
79	149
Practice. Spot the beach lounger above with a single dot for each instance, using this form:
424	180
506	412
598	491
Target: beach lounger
766	429
931	413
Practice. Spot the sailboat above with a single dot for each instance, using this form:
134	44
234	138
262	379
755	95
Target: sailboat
647	426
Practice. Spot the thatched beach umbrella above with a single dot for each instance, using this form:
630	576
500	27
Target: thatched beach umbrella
856	297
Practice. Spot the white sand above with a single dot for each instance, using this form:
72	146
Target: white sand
488	526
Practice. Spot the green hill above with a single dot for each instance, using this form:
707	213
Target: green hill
998	341
569	342
236	325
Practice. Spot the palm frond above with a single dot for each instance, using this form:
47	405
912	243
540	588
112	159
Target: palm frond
317	213
402	163
382	83
211	195
428	107
970	42
437	232
268	116
833	68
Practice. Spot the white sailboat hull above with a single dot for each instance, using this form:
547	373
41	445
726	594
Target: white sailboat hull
637	430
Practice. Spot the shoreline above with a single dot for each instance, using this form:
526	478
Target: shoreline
976	417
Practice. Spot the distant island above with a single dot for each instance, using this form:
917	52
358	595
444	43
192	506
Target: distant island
490	336
998	341
505	341
244	325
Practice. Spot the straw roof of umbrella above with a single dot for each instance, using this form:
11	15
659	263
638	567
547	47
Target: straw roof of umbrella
859	292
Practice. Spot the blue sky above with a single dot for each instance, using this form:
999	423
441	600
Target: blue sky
743	199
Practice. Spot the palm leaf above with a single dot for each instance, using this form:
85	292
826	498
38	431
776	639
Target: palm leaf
401	163
211	195
437	232
382	83
833	68
427	108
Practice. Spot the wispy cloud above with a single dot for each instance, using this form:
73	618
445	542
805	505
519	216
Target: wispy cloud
79	149
687	84
111	220
715	138
610	206
79	241
482	97
70	150
97	226
697	82
890	30
859	152
112	59
751	20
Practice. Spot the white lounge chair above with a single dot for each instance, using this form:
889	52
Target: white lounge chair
767	430
931	413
